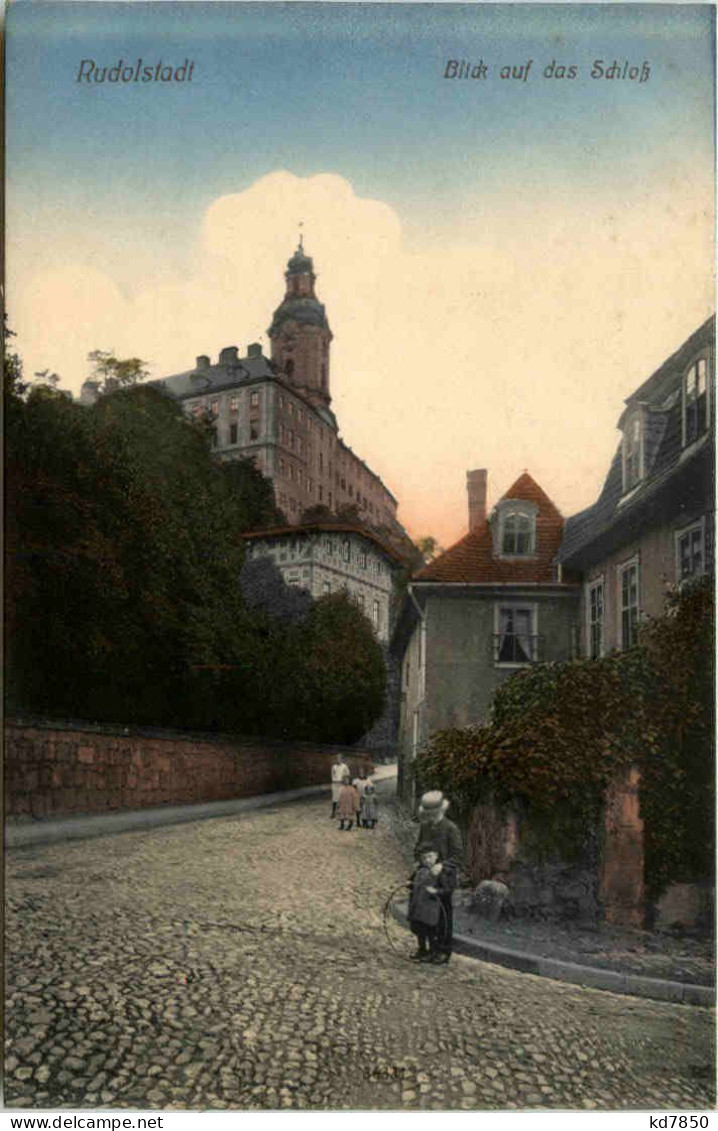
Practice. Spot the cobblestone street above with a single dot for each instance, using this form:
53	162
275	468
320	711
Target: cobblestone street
242	962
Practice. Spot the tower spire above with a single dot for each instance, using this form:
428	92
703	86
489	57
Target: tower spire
300	333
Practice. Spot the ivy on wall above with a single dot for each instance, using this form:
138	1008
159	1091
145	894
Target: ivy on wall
560	732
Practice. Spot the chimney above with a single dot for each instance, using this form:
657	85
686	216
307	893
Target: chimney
476	490
255	350
202	362
228	356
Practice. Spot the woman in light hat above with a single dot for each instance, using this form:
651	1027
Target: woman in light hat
441	835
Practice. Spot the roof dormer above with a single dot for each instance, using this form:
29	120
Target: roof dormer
513	528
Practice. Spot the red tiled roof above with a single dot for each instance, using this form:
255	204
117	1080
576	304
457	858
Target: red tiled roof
471	560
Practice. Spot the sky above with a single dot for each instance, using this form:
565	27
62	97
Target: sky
502	260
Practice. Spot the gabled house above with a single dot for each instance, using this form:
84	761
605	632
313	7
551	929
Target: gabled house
652	526
493	603
332	557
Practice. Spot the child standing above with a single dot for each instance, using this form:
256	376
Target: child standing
359	784
347	807
370	805
425	906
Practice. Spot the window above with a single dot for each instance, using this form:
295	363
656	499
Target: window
695	401
233	433
375	614
326	587
515	640
328	546
254	400
689	552
360	600
362	559
632	453
289	368
595	610
234	405
254	430
321	493
282	467
291	439
292	505
281	400
517	533
214	408
321	462
345	549
628	592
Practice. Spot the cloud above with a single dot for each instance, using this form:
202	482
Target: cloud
506	340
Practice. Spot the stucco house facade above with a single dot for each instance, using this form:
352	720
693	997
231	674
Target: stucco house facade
493	603
328	558
653	524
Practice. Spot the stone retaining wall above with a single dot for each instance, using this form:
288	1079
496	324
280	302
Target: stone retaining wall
52	769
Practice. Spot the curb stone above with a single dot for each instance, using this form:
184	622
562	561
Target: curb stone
24	835
637	985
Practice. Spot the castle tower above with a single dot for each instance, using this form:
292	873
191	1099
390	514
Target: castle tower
300	333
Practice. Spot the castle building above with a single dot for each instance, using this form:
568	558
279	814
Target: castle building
277	410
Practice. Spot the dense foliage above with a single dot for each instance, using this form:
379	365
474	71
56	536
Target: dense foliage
124	553
561	731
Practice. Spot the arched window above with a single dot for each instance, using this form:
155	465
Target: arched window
289	368
695	401
633	453
517	533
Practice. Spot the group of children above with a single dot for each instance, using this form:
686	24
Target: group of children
353	800
357	801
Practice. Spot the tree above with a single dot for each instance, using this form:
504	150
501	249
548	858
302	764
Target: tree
317	513
112	373
428	548
254	494
45	377
125	545
125	551
334	680
13	386
265	590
